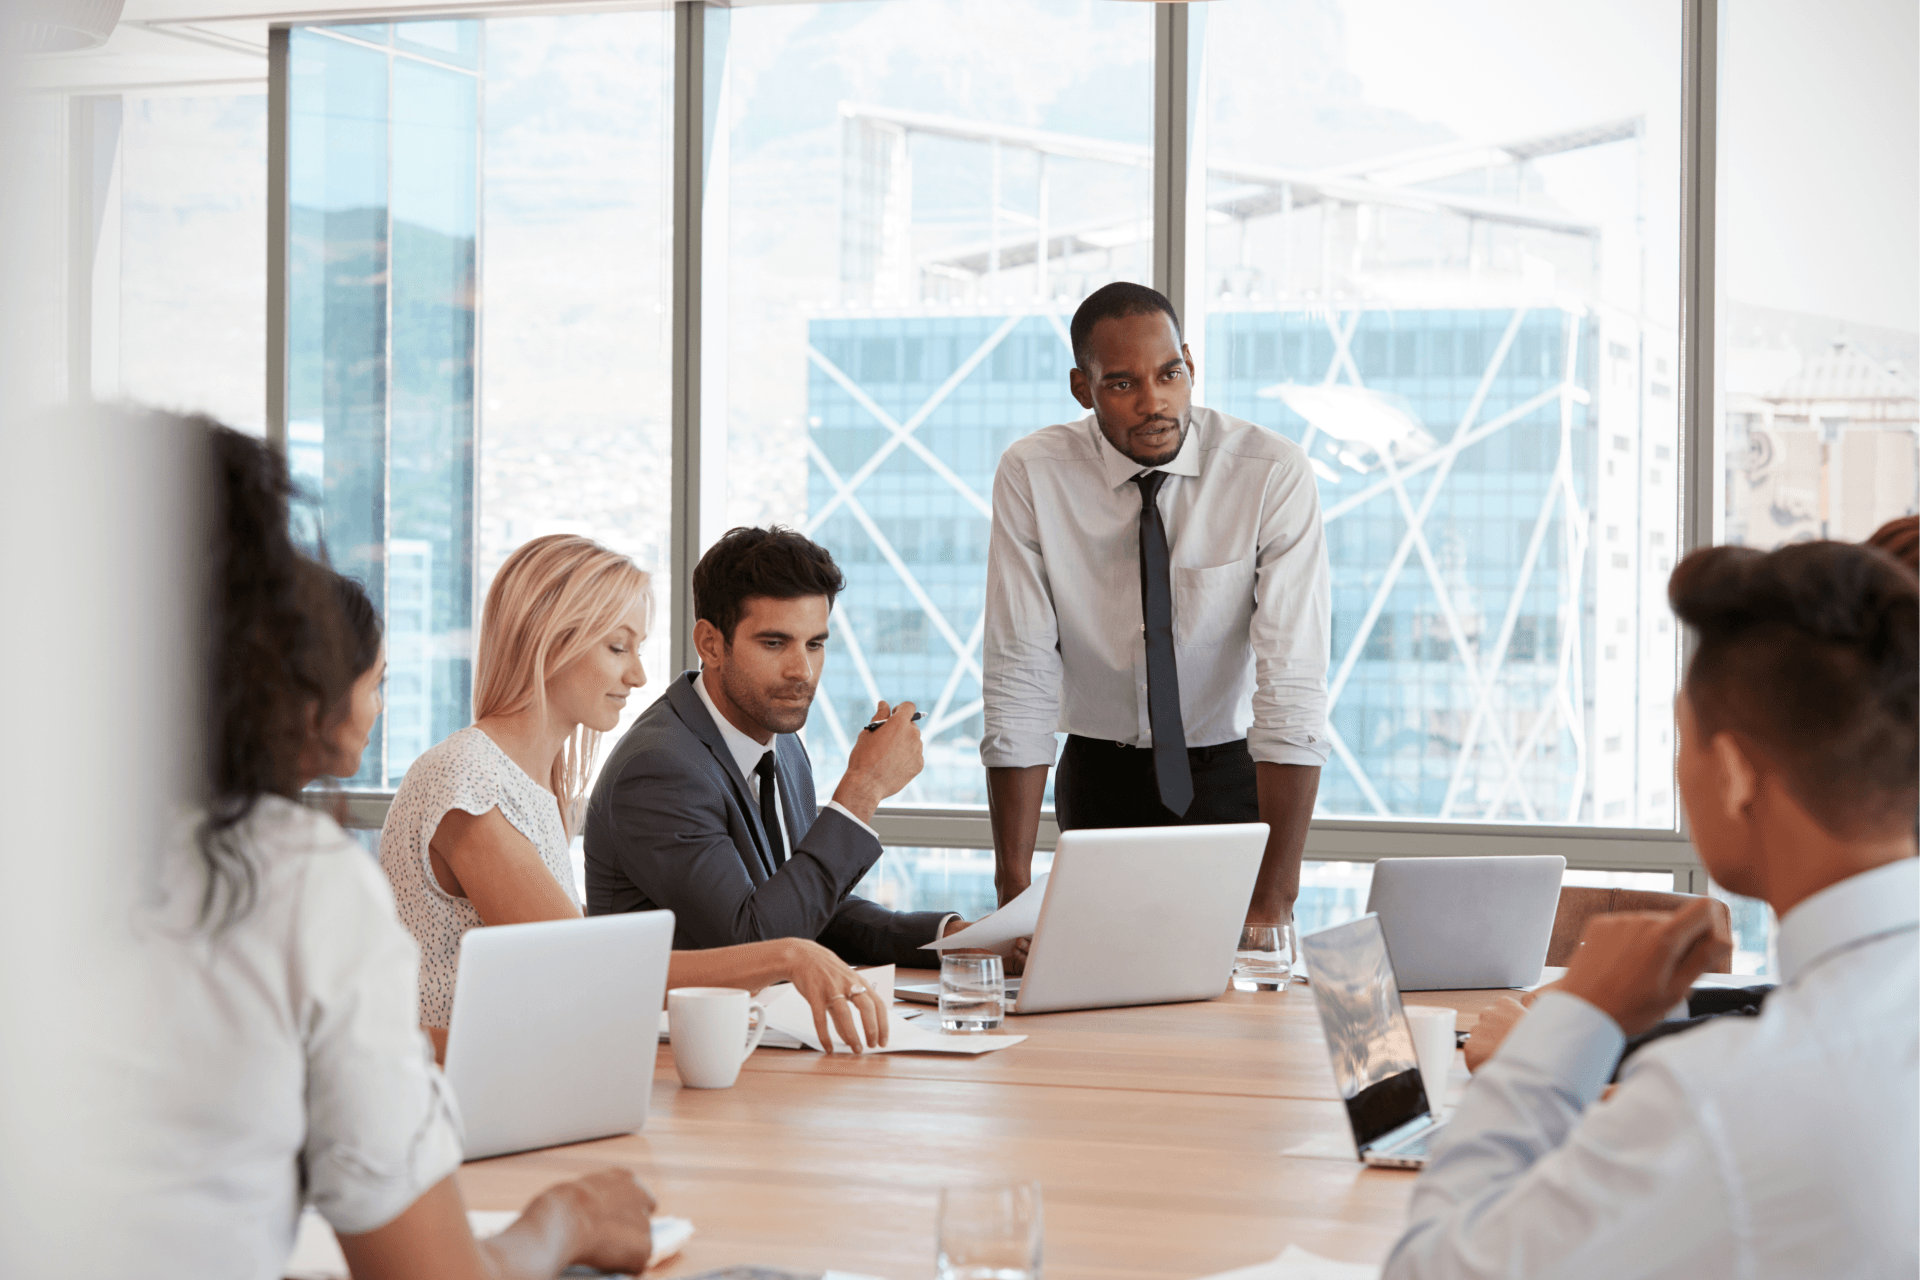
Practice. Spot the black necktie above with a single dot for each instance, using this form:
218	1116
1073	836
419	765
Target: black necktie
1163	678
769	811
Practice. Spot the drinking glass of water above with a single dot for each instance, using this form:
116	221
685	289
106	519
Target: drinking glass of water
973	991
1264	959
989	1232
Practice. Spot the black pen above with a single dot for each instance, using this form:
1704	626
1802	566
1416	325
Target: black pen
877	723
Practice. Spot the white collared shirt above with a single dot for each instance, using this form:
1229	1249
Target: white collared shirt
748	753
1782	1146
1065	648
276	1061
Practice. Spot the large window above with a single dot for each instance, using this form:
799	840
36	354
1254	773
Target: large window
1442	255
432	165
575	333
1438	246
917	194
383	194
1818	270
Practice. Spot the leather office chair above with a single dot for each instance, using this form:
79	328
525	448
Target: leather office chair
1579	905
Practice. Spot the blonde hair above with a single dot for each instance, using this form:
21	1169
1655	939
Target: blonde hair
552	601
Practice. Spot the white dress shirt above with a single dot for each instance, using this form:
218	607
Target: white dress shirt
1065	638
1780	1147
279	1063
747	753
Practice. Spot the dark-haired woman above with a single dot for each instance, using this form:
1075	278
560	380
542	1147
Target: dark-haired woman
341	732
282	1065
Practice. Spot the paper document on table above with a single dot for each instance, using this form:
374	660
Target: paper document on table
878	977
1015	920
1297	1264
771	1040
317	1256
789	1013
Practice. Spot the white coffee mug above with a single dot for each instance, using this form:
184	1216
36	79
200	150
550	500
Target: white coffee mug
1433	1049
709	1026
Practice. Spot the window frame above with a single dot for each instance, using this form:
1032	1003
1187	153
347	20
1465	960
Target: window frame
701	29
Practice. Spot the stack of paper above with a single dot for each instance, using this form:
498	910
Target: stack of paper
790	1023
789	1013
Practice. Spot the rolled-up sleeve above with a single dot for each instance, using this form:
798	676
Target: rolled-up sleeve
1021	672
1530	1178
1292	626
382	1126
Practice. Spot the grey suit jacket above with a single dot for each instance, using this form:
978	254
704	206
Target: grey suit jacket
672	823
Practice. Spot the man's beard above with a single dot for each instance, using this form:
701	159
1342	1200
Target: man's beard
1184	422
775	717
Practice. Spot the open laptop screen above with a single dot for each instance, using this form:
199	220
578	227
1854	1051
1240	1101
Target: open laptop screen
1367	1033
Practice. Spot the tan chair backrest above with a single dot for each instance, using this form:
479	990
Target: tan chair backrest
1580	905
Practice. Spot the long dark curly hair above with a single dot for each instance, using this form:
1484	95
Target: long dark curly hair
274	655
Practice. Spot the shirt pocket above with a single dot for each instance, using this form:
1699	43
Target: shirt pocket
1212	606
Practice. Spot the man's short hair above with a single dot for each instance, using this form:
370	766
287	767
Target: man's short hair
1810	653
775	563
1110	302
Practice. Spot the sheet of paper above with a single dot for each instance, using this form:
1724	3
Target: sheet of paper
1296	1263
771	1040
879	977
1015	920
317	1256
789	1013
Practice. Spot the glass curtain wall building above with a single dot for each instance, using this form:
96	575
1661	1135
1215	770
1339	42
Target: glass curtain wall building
383	195
424	157
1496	456
1422	242
1460	333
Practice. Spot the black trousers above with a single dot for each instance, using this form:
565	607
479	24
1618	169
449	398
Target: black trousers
1103	784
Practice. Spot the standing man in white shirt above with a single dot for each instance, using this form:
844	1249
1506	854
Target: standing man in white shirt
1775	1147
1157	587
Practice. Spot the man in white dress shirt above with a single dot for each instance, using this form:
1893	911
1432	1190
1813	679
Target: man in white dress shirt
1783	1145
1157	587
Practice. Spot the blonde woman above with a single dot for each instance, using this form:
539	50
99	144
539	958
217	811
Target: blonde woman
478	832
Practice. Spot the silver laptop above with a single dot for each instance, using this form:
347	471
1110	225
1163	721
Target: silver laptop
1141	915
554	1029
1135	915
1458	924
1370	1043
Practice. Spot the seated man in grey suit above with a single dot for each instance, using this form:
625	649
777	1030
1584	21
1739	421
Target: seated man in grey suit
707	805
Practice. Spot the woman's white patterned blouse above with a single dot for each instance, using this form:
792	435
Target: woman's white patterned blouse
471	773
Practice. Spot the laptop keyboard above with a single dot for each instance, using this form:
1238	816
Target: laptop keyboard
1415	1148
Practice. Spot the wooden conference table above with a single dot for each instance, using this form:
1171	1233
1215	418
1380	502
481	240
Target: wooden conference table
1159	1136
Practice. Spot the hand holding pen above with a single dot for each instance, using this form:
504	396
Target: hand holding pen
886	756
